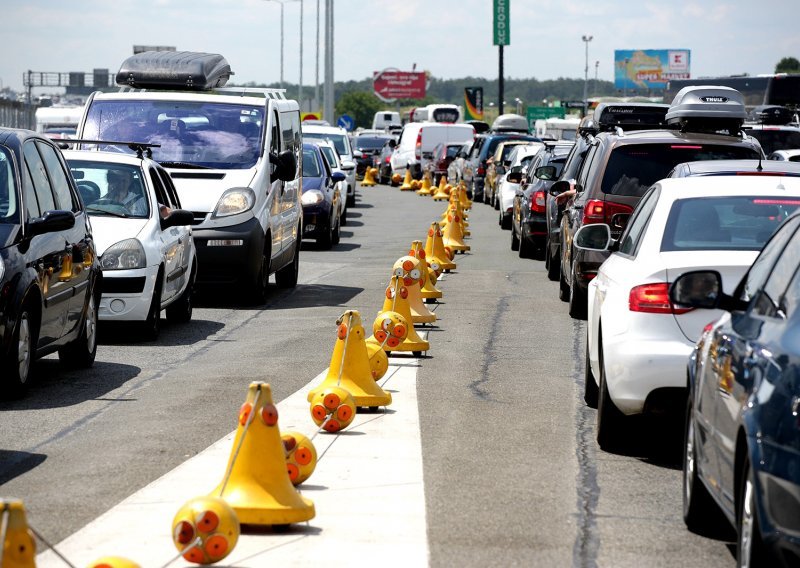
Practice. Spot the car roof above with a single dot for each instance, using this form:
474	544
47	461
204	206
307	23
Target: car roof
15	136
317	129
682	188
737	167
182	96
101	156
674	136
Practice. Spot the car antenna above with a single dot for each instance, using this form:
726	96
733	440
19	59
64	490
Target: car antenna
760	168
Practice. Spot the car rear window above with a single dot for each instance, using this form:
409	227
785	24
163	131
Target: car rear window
310	164
772	140
632	169
337	139
369	143
725	223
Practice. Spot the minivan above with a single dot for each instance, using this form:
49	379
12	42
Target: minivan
414	150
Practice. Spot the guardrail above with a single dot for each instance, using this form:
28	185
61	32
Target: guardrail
15	114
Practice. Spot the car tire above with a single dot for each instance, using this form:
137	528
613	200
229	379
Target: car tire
325	241
505	221
526	248
590	390
151	327
343	218
700	513
610	421
496	202
337	233
554	268
81	351
514	239
18	364
577	301
351	200
287	276
260	289
750	548
180	311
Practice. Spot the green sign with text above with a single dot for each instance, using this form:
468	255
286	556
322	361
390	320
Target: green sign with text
502	22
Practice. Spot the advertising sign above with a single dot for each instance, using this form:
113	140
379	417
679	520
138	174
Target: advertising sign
650	68
502	22
473	103
391	84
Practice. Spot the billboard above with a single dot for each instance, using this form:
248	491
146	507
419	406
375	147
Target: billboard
650	68
473	103
391	84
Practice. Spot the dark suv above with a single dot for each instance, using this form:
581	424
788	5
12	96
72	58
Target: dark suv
482	150
703	123
49	272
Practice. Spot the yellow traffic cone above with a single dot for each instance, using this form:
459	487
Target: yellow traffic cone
428	289
454	231
426	184
349	368
301	456
412	272
205	530
407	181
434	249
378	361
441	191
466	203
389	329
396	179
333	409
397	301
18	546
256	483
112	562
369	177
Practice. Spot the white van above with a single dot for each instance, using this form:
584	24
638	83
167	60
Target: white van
558	128
414	150
58	121
385	119
438	113
233	155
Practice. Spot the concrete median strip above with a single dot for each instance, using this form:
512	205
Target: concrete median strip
367	488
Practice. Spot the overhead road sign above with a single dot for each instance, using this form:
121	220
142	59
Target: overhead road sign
502	22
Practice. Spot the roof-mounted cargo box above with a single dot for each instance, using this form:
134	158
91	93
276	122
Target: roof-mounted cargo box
587	126
772	115
510	123
707	108
182	70
630	116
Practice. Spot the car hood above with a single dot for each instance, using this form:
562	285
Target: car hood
107	231
312	183
200	190
730	264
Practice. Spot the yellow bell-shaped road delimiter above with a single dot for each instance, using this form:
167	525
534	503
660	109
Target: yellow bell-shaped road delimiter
19	546
441	193
397	301
428	290
256	482
113	562
407	182
454	230
426	184
204	530
466	202
369	177
350	368
434	249
412	272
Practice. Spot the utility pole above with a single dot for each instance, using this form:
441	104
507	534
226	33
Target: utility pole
586	39
316	83
328	87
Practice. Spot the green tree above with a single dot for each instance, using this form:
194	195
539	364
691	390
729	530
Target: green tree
788	65
361	105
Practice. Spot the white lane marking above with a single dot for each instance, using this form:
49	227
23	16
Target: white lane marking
367	489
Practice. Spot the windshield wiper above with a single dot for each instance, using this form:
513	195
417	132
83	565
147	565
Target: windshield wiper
187	165
107	212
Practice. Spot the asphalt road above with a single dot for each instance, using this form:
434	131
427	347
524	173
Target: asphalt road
513	476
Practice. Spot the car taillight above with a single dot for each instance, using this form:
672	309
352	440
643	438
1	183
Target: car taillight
653	299
538	202
418	145
387	159
598	211
482	169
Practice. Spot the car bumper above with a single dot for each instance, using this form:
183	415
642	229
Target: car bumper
780	504
586	263
534	229
316	221
636	368
229	255
127	294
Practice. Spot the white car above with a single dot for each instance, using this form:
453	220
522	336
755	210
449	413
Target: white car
341	141
520	157
334	161
638	343
143	238
785	156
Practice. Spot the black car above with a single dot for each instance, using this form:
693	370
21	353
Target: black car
321	198
365	148
482	150
529	213
742	436
49	273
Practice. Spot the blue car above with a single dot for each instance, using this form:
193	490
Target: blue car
742	437
321	198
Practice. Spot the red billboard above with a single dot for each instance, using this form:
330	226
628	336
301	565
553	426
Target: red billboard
391	84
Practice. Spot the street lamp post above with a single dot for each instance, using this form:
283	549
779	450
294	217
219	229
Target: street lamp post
596	65
282	2
586	39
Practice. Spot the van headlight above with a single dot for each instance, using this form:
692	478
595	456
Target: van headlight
234	201
124	255
312	197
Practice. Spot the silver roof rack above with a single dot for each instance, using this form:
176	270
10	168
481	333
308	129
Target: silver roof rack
277	94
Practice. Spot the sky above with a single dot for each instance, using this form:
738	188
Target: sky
449	38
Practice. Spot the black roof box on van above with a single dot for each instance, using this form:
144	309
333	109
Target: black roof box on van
707	108
630	116
771	114
184	70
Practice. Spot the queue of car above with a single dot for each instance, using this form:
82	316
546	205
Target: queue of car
678	241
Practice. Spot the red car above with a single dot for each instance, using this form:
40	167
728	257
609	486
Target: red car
443	155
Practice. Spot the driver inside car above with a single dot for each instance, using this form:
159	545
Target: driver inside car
122	191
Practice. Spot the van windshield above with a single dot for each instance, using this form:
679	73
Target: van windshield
632	169
201	134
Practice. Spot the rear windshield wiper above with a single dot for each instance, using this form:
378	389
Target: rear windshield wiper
187	165
107	212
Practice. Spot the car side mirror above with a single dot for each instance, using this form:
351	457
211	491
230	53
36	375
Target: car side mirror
546	173
338	176
559	187
285	165
697	289
514	177
596	236
392	144
348	165
177	218
51	222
